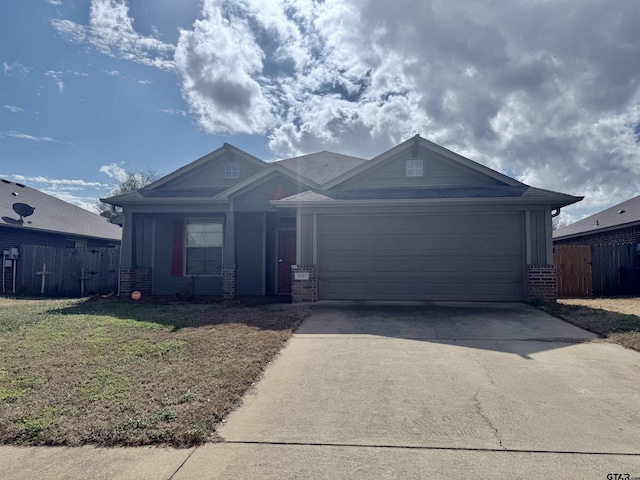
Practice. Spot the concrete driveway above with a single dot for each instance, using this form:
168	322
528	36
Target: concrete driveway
440	390
412	390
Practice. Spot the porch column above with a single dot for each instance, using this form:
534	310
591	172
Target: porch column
229	258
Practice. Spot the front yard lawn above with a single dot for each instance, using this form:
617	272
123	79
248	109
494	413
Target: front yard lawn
616	327
109	372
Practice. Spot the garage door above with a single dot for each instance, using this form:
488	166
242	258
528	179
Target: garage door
465	257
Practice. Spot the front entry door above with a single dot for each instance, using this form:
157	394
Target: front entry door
286	258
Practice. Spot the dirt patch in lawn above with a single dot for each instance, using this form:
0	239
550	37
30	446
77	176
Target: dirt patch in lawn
109	373
626	305
615	319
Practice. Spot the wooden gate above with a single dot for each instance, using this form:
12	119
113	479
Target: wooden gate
67	272
573	270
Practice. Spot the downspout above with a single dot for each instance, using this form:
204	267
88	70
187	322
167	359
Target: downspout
555	213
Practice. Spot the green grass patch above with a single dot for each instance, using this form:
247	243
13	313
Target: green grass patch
116	373
619	328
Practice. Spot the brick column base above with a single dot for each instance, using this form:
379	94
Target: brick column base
304	283
132	279
228	283
543	283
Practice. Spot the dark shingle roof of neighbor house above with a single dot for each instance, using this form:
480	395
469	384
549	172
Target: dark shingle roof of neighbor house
322	166
52	214
621	215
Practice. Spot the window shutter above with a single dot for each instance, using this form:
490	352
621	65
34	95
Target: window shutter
177	268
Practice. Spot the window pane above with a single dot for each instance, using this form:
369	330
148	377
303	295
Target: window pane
231	170
204	261
414	168
204	234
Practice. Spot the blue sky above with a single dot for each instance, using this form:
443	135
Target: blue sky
545	91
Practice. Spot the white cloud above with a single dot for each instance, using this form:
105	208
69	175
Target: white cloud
56	181
145	82
70	31
57	3
25	136
173	111
113	73
13	108
15	69
57	77
547	92
114	171
111	32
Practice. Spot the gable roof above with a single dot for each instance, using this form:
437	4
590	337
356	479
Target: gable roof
203	160
267	172
414	143
323	166
52	214
622	215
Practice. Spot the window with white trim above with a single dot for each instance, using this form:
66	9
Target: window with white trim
204	247
414	168
232	170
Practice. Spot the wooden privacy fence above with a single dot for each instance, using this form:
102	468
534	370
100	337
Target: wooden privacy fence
573	270
600	270
67	272
608	263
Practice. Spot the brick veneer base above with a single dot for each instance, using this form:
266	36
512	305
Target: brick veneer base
543	284
228	283
132	279
304	290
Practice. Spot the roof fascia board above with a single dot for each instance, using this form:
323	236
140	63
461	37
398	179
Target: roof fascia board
548	202
164	201
255	180
407	144
205	159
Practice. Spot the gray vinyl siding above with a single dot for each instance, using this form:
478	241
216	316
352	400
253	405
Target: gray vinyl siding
163	283
392	173
538	237
422	257
250	253
305	238
144	233
212	174
258	198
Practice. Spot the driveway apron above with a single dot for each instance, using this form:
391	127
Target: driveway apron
426	389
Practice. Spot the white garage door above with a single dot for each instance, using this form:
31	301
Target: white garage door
469	257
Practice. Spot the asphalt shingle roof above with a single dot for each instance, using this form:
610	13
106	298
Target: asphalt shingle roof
322	167
620	215
52	214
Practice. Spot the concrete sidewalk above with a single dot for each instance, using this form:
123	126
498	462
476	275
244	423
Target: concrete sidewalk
407	391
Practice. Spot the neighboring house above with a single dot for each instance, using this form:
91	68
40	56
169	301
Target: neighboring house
612	249
417	222
30	217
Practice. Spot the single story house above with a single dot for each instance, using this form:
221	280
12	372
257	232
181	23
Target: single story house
611	241
31	217
417	222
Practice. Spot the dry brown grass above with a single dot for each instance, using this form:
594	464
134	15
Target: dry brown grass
75	372
602	316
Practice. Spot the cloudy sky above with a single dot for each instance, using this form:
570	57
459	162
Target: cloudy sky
546	91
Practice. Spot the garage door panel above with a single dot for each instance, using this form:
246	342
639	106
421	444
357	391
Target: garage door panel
421	257
344	290
391	267
497	266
